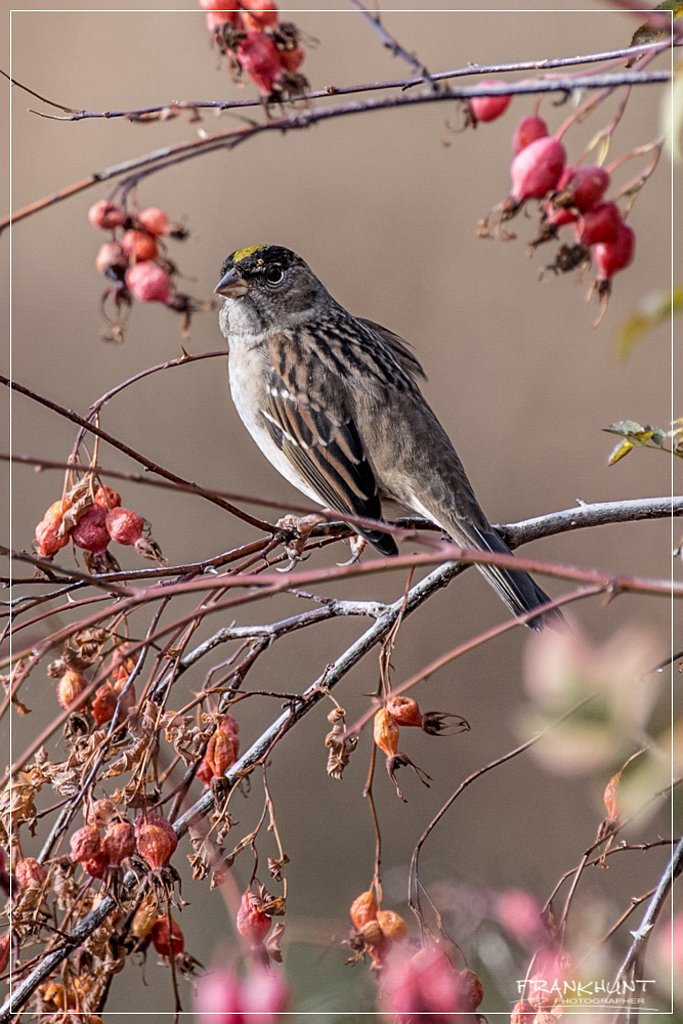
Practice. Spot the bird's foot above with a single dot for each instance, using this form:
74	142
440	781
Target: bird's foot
358	545
297	530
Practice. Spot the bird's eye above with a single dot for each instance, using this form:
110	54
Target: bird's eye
274	274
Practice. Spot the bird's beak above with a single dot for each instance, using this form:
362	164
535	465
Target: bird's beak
232	285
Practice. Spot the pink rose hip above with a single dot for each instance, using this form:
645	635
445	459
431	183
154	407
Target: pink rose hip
154	220
537	168
106	215
124	525
527	131
488	108
148	282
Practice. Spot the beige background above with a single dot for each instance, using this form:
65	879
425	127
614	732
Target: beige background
384	207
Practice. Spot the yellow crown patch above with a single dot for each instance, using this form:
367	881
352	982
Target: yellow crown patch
242	254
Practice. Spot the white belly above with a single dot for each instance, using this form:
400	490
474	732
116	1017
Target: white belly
245	384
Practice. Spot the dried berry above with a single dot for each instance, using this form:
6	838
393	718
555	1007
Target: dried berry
405	711
471	989
599	224
139	245
50	536
29	873
90	532
95	866
611	257
527	131
85	842
223	747
103	704
258	14
107	497
118	842
488	108
145	916
392	925
70	687
154	220
106	215
111	260
522	1013
251	922
124	525
385	732
363	909
155	840
292	59
4	952
148	282
536	169
168	941
100	812
259	58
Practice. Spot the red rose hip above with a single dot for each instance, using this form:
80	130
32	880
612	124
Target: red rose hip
488	108
536	169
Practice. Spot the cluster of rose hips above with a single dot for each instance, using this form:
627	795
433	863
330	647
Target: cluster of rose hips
427	987
134	259
255	42
114	692
568	196
405	711
374	930
92	521
260	995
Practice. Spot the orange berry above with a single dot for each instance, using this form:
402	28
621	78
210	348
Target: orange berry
363	909
392	925
385	732
223	747
118	842
107	497
155	840
49	539
154	220
405	711
70	687
139	245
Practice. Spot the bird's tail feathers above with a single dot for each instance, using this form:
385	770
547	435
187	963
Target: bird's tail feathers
519	590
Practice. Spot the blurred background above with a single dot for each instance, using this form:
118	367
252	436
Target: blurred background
384	207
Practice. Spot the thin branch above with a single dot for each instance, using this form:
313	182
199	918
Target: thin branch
544	64
641	937
391	43
138	168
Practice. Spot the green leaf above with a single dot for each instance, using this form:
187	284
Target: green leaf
654	309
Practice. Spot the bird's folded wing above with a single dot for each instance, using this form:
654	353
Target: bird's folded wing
325	449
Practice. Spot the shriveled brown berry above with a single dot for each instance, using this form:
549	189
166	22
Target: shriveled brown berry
29	873
4	952
251	922
145	916
70	687
155	840
405	711
118	842
392	925
169	941
223	747
363	909
85	842
385	732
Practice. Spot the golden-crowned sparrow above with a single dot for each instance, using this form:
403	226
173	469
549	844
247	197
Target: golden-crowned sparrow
332	401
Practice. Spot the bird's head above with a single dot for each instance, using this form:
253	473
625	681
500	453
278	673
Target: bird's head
268	286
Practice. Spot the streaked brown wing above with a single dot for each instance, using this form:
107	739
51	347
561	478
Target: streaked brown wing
399	347
318	436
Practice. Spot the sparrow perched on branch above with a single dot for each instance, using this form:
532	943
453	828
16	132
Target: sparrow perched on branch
332	400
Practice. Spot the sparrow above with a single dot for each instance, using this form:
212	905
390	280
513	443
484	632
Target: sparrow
333	402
